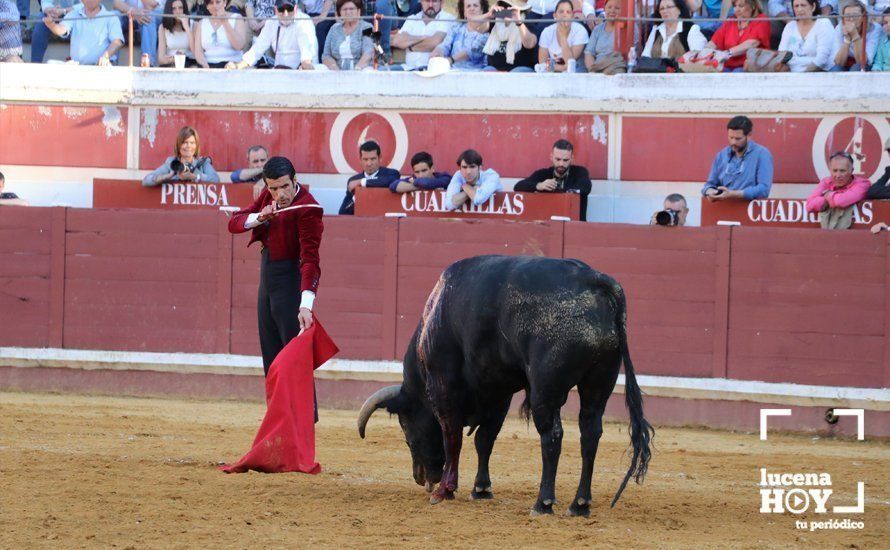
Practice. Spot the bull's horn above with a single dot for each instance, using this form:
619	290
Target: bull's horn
373	403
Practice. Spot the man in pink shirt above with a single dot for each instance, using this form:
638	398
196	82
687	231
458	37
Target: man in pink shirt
835	195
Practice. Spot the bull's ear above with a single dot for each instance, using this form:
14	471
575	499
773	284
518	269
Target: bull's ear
395	405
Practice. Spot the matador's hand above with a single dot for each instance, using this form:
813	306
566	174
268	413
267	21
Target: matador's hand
305	318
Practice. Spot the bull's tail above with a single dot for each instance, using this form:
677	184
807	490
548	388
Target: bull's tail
641	432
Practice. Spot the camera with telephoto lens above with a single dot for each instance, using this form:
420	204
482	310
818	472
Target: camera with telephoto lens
667	217
177	166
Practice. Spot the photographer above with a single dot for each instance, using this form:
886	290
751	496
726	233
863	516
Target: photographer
674	213
561	177
511	46
186	164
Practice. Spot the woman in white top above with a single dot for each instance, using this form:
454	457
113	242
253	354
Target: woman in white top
810	41
564	40
174	33
672	37
218	41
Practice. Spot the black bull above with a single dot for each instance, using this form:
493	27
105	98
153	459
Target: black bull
494	325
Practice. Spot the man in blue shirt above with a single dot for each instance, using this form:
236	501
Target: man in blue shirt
744	170
372	175
95	35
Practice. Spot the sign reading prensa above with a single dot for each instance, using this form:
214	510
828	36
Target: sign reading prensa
510	206
785	213
189	195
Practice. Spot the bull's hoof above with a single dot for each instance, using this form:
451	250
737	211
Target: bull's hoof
441	494
542	508
579	508
481	493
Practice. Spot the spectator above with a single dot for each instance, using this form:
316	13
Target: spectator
711	9
7	198
257	12
96	36
810	41
55	10
186	164
175	35
737	35
372	175
290	36
220	40
594	12
539	9
835	195
347	45
464	42
471	184
146	19
600	55
880	189
561	177
385	8
744	170
674	35
423	177
674	213
322	13
422	32
850	54
511	45
257	156
10	33
564	41
882	56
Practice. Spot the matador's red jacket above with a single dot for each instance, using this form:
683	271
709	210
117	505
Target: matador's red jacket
292	235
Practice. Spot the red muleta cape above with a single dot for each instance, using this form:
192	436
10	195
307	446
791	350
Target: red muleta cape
285	441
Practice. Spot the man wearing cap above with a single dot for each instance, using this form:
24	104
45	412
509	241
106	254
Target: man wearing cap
289	268
421	33
880	190
291	37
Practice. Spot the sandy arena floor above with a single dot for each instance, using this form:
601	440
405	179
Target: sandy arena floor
133	473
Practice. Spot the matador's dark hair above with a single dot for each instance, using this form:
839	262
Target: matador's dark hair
277	167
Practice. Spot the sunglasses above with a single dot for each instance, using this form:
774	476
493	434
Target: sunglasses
286	9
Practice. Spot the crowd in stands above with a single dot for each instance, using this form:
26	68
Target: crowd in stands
741	171
473	35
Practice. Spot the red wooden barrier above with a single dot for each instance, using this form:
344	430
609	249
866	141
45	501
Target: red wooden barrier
785	213
169	196
788	305
504	206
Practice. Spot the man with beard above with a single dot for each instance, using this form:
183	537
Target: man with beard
561	177
744	170
421	33
289	268
291	37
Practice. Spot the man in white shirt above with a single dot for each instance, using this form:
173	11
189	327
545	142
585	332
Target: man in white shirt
291	37
421	33
471	185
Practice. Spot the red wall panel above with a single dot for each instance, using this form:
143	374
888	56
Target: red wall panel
807	307
141	280
25	245
669	278
64	136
